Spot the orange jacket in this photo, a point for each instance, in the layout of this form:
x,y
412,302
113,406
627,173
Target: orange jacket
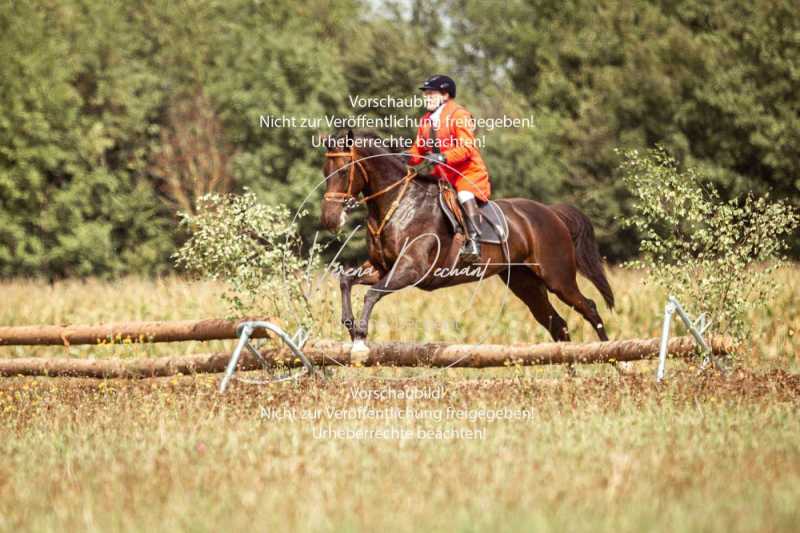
x,y
456,140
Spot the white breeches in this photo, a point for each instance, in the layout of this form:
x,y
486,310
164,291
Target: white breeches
x,y
465,196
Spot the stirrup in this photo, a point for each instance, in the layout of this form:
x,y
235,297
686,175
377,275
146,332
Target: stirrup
x,y
470,251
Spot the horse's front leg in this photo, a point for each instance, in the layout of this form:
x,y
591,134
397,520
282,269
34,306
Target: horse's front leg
x,y
365,275
389,283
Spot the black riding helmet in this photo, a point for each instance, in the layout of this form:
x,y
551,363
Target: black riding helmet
x,y
441,83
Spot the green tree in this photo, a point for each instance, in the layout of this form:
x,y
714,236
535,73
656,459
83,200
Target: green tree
x,y
75,107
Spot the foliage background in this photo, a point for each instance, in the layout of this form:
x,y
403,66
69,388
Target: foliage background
x,y
93,106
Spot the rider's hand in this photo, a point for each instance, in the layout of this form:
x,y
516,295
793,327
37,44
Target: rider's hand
x,y
425,168
429,163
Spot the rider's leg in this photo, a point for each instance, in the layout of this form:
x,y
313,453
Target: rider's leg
x,y
471,252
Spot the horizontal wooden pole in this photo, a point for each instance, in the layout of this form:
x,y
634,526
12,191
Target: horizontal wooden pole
x,y
119,332
441,354
406,354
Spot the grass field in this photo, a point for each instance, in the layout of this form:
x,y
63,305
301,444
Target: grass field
x,y
592,453
469,313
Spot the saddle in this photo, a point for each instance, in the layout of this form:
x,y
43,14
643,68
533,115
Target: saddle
x,y
492,221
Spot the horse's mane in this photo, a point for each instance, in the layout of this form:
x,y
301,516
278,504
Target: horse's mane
x,y
367,149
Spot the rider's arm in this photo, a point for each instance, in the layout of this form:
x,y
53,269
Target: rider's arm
x,y
418,148
416,151
463,147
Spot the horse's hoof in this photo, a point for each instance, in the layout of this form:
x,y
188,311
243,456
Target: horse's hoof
x,y
359,353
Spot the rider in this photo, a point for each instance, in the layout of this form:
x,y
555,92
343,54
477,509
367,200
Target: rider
x,y
446,136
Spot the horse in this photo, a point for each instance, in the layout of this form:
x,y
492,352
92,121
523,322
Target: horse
x,y
410,240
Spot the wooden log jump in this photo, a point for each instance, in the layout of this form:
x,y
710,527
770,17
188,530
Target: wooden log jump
x,y
387,354
136,332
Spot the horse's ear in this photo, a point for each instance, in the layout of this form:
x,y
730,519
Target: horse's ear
x,y
350,136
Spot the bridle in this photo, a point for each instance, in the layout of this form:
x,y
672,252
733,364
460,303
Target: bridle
x,y
351,202
348,198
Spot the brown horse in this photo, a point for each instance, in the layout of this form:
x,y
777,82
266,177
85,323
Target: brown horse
x,y
411,242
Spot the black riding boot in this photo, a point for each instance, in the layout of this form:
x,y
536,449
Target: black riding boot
x,y
471,251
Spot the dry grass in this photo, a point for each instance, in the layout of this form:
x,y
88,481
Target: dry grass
x,y
470,313
600,453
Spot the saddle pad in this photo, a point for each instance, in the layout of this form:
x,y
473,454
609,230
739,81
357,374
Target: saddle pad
x,y
492,224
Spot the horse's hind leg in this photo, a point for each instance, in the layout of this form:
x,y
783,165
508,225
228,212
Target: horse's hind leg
x,y
571,295
566,288
529,288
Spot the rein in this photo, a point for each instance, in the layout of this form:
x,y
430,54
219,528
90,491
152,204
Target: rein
x,y
350,200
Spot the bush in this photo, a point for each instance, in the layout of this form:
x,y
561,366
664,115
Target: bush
x,y
715,256
255,250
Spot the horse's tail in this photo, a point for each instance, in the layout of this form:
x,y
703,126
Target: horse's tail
x,y
586,253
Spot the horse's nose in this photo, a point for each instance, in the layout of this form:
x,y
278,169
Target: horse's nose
x,y
332,216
